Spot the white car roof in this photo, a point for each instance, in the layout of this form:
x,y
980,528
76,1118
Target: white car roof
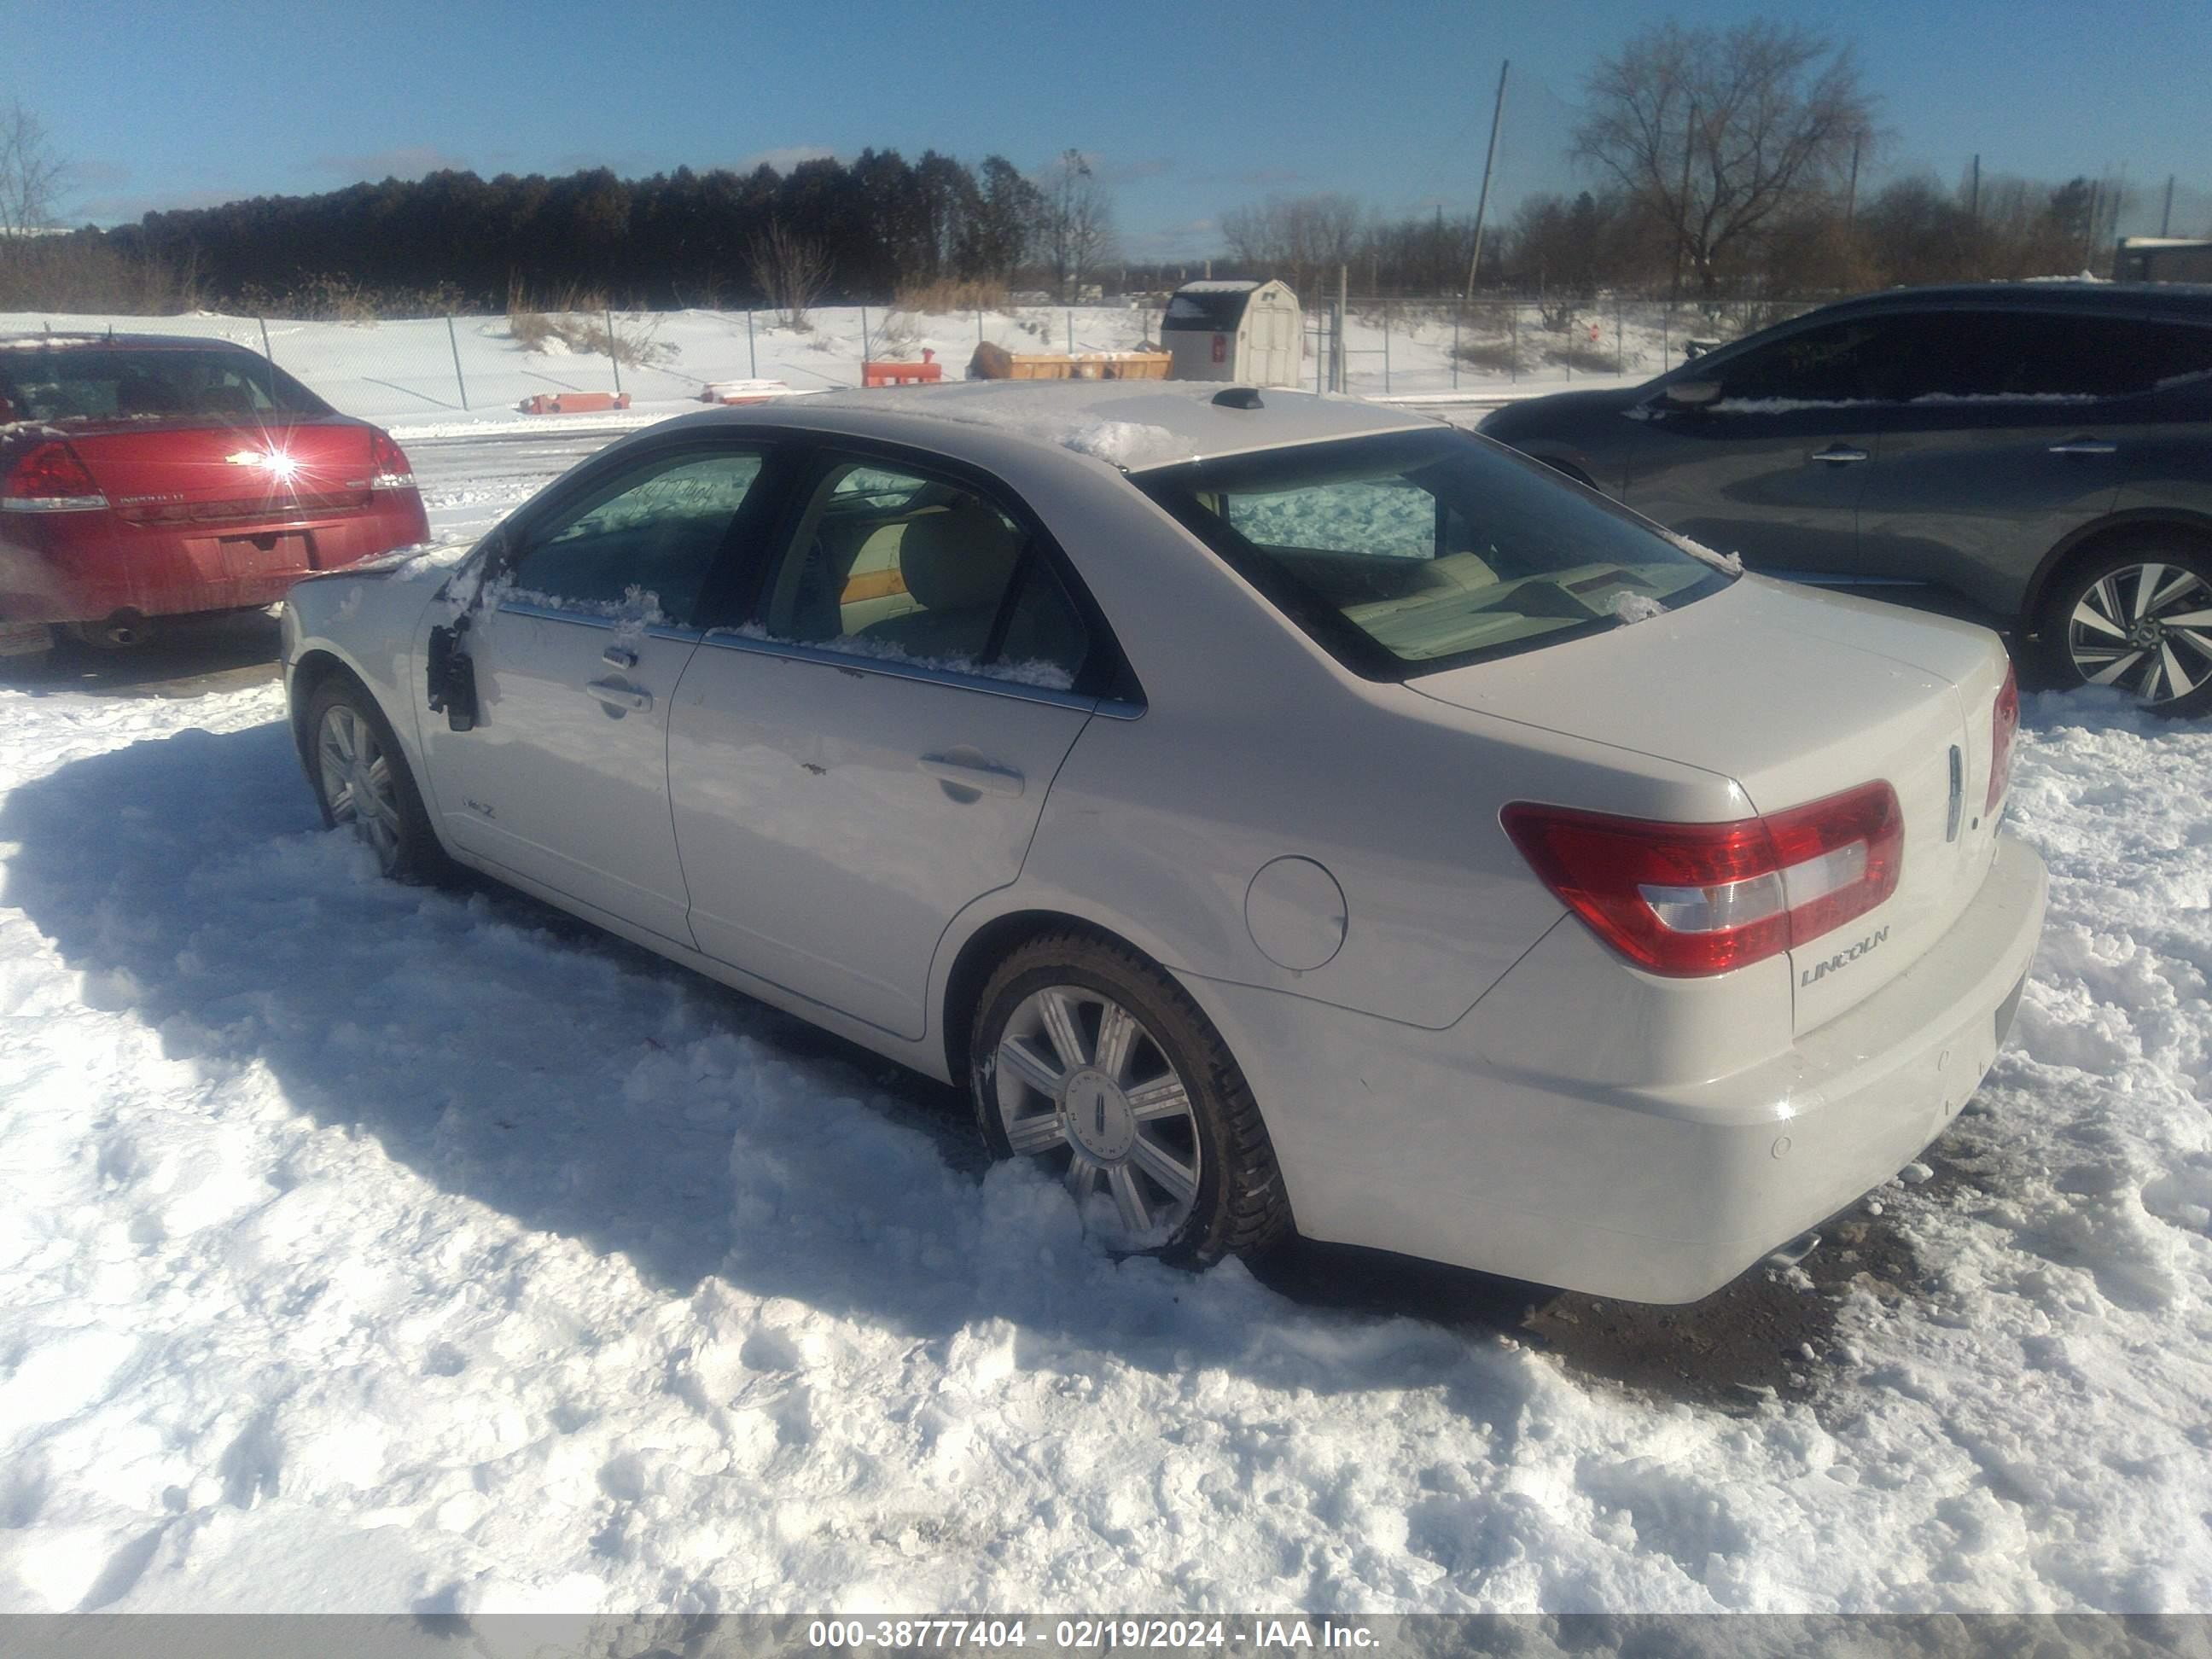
x,y
1133,424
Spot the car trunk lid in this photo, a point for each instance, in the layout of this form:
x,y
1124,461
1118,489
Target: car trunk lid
x,y
196,473
1796,695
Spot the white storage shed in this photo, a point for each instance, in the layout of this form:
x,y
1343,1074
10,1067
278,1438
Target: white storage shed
x,y
1252,333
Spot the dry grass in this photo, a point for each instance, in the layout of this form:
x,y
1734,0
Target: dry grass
x,y
946,294
1583,357
82,273
896,335
583,320
1493,356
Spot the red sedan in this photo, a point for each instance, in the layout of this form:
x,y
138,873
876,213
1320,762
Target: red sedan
x,y
146,475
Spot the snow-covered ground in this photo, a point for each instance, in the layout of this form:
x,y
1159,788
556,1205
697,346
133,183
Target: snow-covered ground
x,y
364,1247
403,373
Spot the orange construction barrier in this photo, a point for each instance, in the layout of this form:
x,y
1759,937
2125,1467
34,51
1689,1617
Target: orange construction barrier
x,y
925,372
573,403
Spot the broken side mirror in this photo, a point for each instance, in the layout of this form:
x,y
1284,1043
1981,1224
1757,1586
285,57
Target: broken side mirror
x,y
452,675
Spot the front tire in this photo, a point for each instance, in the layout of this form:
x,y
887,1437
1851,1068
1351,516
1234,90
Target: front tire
x,y
1091,1060
362,782
2138,618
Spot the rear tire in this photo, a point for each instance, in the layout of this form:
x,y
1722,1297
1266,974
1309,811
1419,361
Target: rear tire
x,y
1090,1059
362,782
2139,618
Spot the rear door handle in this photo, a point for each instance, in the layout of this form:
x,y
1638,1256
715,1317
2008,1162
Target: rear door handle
x,y
615,695
2085,447
1836,454
973,774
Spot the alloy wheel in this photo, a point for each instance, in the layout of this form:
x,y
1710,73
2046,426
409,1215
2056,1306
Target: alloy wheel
x,y
1078,1078
2145,627
357,781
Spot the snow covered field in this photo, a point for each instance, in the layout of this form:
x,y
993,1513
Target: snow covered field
x,y
403,373
371,1248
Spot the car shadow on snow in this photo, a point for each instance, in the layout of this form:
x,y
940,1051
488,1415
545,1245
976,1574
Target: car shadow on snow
x,y
510,1055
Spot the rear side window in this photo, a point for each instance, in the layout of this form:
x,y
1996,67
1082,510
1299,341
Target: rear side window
x,y
102,383
902,566
1967,356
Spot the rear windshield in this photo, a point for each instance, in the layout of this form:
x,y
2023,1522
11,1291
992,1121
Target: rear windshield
x,y
1413,553
103,383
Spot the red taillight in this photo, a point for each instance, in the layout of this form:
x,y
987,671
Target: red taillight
x,y
51,479
1685,899
387,463
2004,726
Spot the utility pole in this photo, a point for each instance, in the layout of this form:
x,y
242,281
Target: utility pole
x,y
1974,197
1689,145
2165,219
1851,192
1489,160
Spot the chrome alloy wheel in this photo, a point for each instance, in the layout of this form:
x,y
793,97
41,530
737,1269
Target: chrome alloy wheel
x,y
1077,1076
356,780
2145,627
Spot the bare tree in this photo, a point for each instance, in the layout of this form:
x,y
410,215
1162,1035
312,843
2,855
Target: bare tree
x,y
1078,221
1301,239
1720,132
30,182
793,270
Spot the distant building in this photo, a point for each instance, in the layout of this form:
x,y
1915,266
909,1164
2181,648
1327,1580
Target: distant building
x,y
2163,259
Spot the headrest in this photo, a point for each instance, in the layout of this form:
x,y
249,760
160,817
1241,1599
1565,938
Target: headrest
x,y
959,558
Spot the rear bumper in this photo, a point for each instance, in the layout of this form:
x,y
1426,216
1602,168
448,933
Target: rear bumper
x,y
85,567
1477,1147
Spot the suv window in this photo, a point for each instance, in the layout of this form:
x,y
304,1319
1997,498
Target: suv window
x,y
1960,355
641,546
1845,362
898,565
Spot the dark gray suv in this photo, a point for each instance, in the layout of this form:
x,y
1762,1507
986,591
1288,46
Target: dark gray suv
x,y
2034,455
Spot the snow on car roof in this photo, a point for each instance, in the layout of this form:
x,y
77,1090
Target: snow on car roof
x,y
1133,424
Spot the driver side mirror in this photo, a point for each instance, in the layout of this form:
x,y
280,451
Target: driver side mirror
x,y
1692,394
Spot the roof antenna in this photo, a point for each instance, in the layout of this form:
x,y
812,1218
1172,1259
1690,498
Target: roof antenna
x,y
1238,397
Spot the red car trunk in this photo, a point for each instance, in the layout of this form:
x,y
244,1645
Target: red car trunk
x,y
189,473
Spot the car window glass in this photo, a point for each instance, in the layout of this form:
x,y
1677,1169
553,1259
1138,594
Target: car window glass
x,y
899,566
94,382
1843,362
643,544
1411,552
1961,356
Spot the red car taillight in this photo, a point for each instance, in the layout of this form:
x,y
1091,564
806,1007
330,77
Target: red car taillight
x,y
1687,899
50,478
387,463
2004,726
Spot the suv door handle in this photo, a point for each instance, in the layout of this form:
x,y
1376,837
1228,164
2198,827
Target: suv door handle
x,y
615,695
1836,454
973,774
2085,447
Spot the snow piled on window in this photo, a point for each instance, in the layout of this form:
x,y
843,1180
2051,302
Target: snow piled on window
x,y
638,607
1631,607
1045,676
1378,518
1731,562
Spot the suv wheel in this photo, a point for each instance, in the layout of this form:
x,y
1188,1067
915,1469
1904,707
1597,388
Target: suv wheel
x,y
2138,618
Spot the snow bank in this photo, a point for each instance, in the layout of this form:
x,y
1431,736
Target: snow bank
x,y
366,1247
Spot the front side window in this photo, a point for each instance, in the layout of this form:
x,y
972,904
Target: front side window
x,y
643,544
1845,362
1421,551
899,566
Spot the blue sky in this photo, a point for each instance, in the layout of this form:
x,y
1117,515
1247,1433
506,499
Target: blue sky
x,y
1188,109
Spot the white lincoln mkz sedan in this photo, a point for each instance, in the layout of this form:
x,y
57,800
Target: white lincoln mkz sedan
x,y
1278,810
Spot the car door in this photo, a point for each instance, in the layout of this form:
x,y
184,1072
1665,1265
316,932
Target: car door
x,y
1773,466
870,752
2012,430
578,641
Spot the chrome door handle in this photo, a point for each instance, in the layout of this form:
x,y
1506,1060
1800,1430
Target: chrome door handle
x,y
2085,447
973,774
618,656
615,695
1836,454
